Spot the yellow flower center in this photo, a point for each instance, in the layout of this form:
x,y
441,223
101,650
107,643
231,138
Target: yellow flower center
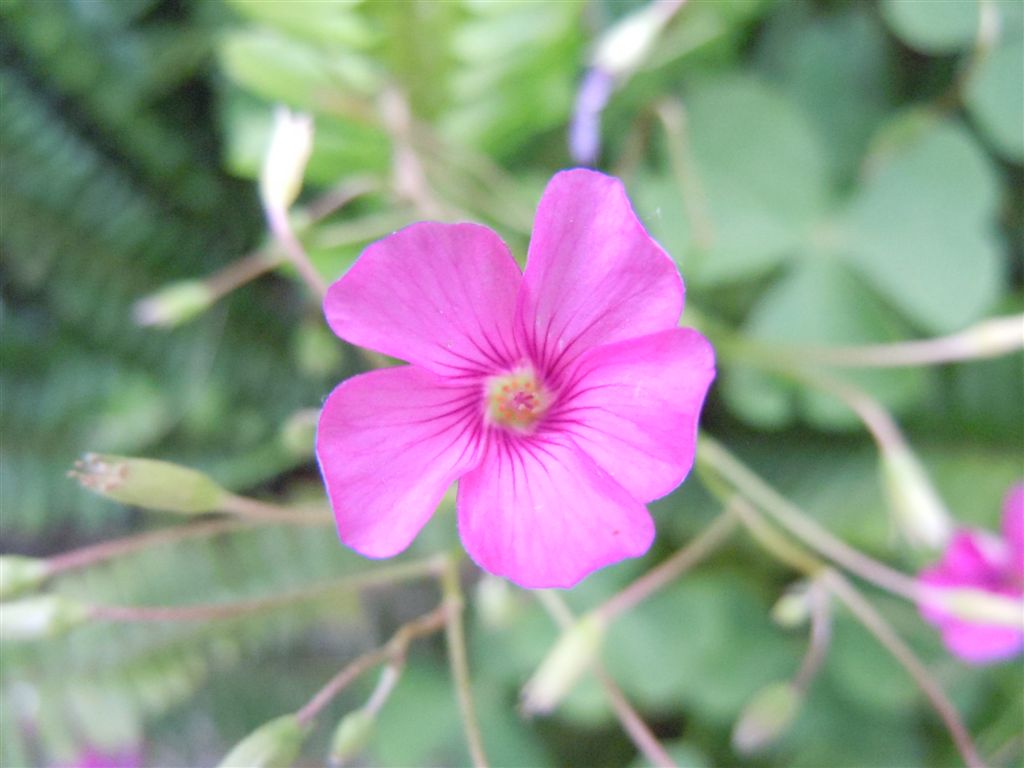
x,y
516,400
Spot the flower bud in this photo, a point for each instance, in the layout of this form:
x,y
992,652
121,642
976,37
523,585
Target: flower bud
x,y
274,744
998,336
766,717
624,46
351,736
978,606
173,304
570,657
298,433
33,618
291,143
495,602
919,512
20,574
148,483
793,609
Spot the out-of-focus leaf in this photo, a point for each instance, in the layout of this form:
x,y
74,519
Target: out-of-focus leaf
x,y
820,303
995,97
919,229
328,24
933,27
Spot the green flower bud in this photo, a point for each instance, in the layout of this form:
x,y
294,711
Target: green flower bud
x,y
793,609
33,618
20,574
920,514
351,736
274,744
148,483
570,657
766,717
174,304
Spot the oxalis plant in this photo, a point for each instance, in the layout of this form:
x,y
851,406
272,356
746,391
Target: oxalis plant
x,y
530,475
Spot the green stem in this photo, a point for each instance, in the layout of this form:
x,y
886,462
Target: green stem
x,y
714,457
686,558
458,659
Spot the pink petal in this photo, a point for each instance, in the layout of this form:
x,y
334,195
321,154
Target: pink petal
x,y
543,514
389,444
438,295
980,644
971,561
1013,530
593,276
633,407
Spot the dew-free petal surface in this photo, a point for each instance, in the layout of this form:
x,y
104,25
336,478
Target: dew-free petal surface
x,y
541,513
1013,530
442,296
633,407
389,444
593,274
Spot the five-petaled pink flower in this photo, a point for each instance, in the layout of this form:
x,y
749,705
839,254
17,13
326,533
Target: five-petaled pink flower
x,y
979,560
563,398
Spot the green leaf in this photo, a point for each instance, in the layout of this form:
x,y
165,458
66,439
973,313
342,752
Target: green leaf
x,y
920,227
995,99
762,172
936,27
820,303
837,67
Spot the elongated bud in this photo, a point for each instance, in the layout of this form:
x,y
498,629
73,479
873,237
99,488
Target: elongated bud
x,y
33,618
921,516
570,657
624,46
148,483
298,433
174,304
793,609
766,717
20,574
998,336
274,744
351,736
291,142
495,602
977,606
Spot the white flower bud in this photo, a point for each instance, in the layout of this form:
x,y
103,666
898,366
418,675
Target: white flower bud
x,y
38,617
920,515
20,574
291,143
173,304
570,657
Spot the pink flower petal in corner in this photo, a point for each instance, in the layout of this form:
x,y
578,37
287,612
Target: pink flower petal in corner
x,y
1013,529
389,443
542,514
593,274
441,296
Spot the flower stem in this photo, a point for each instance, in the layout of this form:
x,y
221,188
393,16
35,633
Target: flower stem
x,y
686,558
714,457
217,611
695,204
632,723
884,633
268,512
394,650
457,658
281,229
821,637
106,550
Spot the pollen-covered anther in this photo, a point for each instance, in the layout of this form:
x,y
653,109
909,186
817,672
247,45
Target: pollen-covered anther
x,y
516,400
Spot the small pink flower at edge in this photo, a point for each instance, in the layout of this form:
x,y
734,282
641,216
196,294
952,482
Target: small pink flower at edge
x,y
979,560
563,398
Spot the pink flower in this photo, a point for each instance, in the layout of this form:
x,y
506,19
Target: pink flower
x,y
91,757
979,560
562,398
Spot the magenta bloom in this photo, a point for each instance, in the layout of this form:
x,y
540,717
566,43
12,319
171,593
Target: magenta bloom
x,y
562,398
979,560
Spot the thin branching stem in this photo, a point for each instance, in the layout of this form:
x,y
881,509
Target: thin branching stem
x,y
392,651
675,566
632,723
217,611
268,512
459,661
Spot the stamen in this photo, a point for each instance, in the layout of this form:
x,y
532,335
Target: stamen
x,y
516,400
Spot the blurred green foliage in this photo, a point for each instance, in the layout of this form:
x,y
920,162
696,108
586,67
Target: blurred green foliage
x,y
824,172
